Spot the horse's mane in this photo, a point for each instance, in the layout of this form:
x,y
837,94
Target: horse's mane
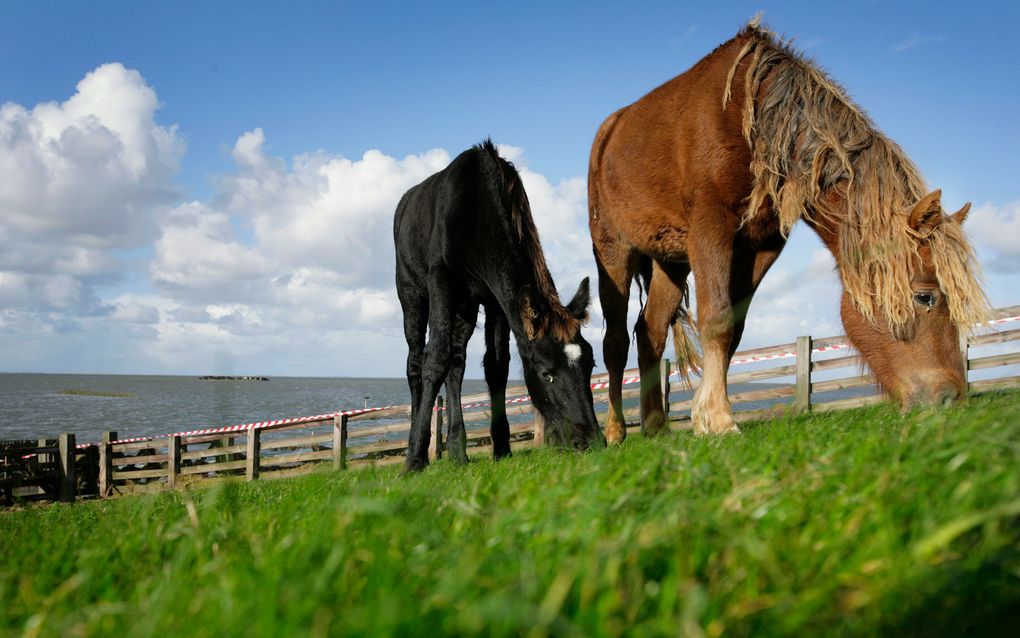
x,y
809,140
542,312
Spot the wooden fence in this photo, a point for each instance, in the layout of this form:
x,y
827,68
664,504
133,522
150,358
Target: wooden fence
x,y
794,371
47,469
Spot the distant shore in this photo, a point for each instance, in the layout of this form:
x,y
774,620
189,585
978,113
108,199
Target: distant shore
x,y
222,378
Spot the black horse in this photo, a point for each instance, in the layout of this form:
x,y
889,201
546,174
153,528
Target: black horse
x,y
465,238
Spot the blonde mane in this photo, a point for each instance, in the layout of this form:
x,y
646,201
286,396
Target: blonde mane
x,y
809,141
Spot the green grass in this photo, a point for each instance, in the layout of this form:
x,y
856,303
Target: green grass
x,y
860,523
98,393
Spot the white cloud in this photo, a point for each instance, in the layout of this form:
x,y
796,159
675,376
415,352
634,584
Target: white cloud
x,y
80,179
796,298
295,252
199,255
916,40
995,230
561,217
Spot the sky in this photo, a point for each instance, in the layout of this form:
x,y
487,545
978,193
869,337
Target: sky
x,y
209,187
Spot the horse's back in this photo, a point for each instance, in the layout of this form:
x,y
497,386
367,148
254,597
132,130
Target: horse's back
x,y
436,219
656,161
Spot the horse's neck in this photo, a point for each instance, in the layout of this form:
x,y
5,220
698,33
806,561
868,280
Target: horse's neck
x,y
826,223
507,285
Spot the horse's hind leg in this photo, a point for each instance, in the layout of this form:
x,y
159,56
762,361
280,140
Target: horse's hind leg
x,y
497,369
616,265
463,327
416,317
665,294
434,368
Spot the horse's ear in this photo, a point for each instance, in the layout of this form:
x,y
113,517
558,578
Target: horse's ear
x,y
578,306
927,214
961,215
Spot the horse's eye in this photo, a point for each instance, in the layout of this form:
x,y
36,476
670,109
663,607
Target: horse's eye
x,y
926,299
548,377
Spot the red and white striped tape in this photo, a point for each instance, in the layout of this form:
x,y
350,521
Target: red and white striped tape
x,y
245,427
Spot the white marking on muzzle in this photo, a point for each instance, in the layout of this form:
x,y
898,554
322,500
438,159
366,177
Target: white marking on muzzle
x,y
573,352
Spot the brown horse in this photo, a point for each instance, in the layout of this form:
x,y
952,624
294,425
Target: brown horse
x,y
708,173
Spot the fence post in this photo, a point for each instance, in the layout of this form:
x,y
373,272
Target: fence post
x,y
106,464
66,467
173,464
251,470
664,369
47,458
436,441
539,427
802,391
965,351
340,441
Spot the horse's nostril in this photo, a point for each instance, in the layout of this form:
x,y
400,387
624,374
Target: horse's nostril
x,y
942,397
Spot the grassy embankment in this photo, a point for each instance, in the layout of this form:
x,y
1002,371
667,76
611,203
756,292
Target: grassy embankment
x,y
865,522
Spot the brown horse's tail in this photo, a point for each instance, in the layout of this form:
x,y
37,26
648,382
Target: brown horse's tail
x,y
685,332
685,342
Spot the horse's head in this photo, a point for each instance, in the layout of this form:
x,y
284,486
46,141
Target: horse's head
x,y
558,376
919,361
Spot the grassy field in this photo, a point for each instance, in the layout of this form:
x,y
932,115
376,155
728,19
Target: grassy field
x,y
859,523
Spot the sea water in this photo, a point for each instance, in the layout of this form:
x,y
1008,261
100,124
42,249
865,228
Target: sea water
x,y
44,405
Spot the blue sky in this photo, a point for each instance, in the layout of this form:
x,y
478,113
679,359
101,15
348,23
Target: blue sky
x,y
235,221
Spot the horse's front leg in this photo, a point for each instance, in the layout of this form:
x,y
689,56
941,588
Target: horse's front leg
x,y
711,254
497,369
710,411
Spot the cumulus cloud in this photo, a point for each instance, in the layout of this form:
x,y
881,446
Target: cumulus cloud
x,y
285,249
561,217
995,230
796,298
324,210
91,167
81,179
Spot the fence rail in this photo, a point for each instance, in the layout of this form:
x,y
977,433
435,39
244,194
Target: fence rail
x,y
358,438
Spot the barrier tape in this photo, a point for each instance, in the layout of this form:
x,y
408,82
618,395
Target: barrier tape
x,y
244,427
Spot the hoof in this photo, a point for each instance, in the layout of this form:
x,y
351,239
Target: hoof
x,y
501,454
654,425
722,424
615,432
413,466
712,430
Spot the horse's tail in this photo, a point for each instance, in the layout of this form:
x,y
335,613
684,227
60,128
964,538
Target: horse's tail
x,y
685,342
685,332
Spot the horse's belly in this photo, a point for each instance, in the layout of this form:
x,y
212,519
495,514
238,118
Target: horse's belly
x,y
666,243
